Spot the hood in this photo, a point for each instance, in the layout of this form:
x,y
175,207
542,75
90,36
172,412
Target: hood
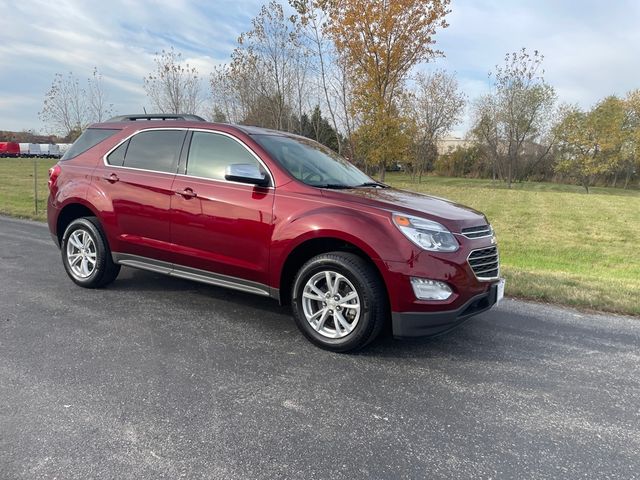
x,y
452,215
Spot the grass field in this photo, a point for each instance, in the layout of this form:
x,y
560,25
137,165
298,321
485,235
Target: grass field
x,y
557,243
17,186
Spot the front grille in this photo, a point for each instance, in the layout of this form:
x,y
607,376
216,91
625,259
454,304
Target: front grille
x,y
478,232
485,263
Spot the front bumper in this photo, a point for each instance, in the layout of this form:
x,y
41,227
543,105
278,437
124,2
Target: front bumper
x,y
424,324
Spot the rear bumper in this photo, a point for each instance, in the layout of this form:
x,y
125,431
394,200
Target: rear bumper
x,y
425,324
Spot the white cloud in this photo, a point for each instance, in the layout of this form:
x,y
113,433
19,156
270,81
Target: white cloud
x,y
120,37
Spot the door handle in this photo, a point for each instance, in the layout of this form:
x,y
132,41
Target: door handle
x,y
187,193
112,178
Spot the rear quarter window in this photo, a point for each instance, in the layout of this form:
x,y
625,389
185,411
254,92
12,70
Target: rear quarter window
x,y
89,139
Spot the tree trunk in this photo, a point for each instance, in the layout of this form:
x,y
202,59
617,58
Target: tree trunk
x,y
382,171
627,178
493,170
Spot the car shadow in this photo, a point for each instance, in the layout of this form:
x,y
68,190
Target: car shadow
x,y
496,335
145,281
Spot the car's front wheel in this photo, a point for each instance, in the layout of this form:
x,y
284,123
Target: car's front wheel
x,y
339,301
85,254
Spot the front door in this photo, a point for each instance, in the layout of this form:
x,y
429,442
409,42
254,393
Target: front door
x,y
216,225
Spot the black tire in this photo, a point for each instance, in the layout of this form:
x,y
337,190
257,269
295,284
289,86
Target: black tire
x,y
105,270
372,299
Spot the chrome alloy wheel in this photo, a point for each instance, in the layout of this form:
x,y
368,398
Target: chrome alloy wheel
x,y
81,254
331,304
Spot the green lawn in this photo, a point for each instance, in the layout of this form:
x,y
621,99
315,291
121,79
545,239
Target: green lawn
x,y
557,243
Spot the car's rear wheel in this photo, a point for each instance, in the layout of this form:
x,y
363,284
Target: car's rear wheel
x,y
85,254
339,302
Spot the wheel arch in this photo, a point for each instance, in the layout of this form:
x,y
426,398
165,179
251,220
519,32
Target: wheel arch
x,y
310,248
70,212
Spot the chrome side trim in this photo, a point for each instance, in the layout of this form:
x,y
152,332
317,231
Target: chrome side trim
x,y
246,147
187,129
131,262
140,130
194,274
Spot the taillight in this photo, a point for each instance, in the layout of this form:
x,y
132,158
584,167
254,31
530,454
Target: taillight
x,y
53,175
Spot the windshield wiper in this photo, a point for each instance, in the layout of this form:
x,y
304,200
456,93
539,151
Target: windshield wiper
x,y
334,186
372,184
341,186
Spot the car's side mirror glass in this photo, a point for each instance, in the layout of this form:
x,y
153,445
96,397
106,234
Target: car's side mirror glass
x,y
247,173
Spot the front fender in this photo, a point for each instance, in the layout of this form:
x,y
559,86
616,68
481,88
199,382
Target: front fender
x,y
369,232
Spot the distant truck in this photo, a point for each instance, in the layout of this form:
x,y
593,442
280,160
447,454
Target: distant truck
x,y
29,150
63,148
32,150
9,149
49,150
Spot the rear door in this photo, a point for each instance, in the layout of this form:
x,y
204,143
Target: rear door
x,y
217,225
137,177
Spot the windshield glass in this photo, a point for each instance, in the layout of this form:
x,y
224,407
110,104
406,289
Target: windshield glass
x,y
311,162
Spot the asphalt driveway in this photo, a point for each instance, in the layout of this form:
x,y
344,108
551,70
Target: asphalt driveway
x,y
156,377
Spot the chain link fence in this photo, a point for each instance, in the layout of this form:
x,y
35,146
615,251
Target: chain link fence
x,y
23,186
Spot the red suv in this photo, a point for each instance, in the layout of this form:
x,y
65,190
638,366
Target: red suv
x,y
273,214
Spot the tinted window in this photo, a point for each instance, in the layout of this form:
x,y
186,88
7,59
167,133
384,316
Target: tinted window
x,y
117,156
210,154
155,150
90,138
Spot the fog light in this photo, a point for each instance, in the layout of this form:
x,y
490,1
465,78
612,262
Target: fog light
x,y
425,289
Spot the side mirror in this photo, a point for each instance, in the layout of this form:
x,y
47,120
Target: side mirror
x,y
247,173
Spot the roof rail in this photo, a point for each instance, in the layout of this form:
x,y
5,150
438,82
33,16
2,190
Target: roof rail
x,y
157,116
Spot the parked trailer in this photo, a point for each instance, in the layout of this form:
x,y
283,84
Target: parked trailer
x,y
64,147
54,151
28,150
44,149
9,149
24,150
49,150
34,150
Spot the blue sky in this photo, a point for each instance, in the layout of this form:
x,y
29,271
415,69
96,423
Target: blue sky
x,y
591,48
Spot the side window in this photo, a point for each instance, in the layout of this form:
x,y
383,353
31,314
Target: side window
x,y
210,153
117,156
153,150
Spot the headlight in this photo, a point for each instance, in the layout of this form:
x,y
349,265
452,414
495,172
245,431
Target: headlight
x,y
426,234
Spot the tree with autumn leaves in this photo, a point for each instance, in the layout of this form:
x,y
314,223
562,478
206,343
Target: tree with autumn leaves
x,y
380,43
347,73
602,141
332,56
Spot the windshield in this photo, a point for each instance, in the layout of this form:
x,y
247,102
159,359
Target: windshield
x,y
312,163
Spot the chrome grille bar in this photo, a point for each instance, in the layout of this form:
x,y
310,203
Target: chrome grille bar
x,y
485,263
477,232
